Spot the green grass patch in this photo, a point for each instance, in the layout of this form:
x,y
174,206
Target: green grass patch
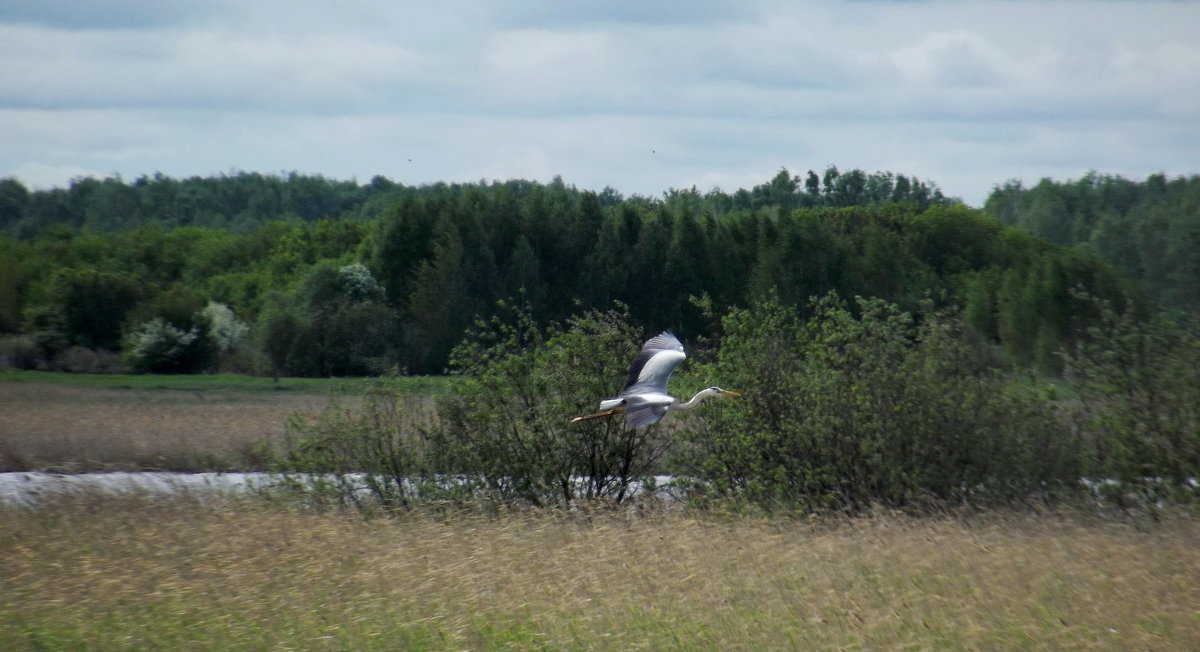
x,y
423,385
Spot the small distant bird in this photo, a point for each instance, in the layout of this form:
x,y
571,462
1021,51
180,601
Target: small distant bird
x,y
645,400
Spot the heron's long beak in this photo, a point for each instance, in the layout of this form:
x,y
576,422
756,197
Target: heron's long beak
x,y
729,393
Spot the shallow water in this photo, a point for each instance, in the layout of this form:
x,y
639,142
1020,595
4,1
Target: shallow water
x,y
30,488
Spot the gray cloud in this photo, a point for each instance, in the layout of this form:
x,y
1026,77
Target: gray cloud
x,y
624,12
98,14
966,94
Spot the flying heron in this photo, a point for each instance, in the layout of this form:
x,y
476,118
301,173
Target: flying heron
x,y
645,400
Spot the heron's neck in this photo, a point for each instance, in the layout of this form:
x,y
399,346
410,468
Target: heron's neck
x,y
695,400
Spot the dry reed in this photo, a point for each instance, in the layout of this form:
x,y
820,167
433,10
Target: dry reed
x,y
137,573
67,428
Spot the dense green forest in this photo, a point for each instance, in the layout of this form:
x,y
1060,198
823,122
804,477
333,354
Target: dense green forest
x,y
1150,230
305,275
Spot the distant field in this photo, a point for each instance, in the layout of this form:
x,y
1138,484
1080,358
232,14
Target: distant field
x,y
222,382
142,574
81,422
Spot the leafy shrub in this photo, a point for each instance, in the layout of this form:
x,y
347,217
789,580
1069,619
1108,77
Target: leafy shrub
x,y
503,435
180,332
157,346
276,333
338,324
358,284
374,455
1139,384
225,329
18,352
507,422
865,404
79,359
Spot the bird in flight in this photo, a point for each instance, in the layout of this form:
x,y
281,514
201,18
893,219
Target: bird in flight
x,y
645,400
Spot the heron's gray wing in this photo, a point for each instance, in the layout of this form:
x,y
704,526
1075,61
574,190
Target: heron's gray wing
x,y
654,363
646,409
646,415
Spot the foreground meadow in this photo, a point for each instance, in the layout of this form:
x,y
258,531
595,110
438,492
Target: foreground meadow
x,y
138,572
178,574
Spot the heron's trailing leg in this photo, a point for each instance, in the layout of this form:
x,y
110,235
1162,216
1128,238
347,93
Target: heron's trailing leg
x,y
606,413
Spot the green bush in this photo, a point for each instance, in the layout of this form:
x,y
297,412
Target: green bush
x,y
1139,385
159,347
865,405
173,334
507,423
373,455
18,352
860,405
340,324
502,436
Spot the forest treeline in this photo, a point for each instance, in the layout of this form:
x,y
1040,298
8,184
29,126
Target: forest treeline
x,y
1150,229
304,275
244,200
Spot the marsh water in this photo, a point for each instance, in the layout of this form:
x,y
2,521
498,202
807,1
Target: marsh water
x,y
30,488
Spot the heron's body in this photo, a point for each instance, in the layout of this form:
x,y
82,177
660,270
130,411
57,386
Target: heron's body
x,y
645,400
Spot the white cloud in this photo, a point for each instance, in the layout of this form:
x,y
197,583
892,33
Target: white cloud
x,y
97,13
966,94
536,68
42,177
959,59
536,52
46,67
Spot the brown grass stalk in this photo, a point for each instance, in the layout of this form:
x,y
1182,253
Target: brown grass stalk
x,y
135,574
73,429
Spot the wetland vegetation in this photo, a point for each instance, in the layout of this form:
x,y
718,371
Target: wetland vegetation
x,y
926,387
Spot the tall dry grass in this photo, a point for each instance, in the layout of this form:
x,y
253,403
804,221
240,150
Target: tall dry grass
x,y
68,428
139,574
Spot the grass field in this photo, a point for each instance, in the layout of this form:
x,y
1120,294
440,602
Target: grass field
x,y
115,573
81,422
140,574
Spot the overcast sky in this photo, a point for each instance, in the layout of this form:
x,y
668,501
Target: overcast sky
x,y
642,96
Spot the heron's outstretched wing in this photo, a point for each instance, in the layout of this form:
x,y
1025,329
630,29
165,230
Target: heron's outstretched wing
x,y
653,365
646,409
645,416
